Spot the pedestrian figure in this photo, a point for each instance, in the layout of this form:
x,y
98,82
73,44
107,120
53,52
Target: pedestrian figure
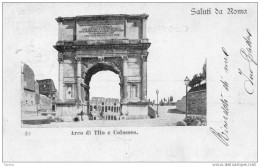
x,y
81,114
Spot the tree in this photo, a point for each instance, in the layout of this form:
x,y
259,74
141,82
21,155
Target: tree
x,y
171,98
196,80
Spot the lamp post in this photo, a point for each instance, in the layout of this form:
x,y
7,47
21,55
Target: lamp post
x,y
186,81
157,92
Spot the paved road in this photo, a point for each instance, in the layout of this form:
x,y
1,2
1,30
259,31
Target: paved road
x,y
165,119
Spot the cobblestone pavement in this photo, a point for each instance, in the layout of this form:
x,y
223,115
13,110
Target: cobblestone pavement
x,y
165,119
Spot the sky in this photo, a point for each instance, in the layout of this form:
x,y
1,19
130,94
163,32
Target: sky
x,y
177,43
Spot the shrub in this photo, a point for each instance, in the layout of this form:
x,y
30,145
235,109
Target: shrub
x,y
196,120
50,117
195,123
181,123
59,120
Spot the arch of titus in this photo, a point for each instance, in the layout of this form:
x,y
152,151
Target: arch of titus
x,y
93,43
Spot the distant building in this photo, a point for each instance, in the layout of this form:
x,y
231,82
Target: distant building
x,y
29,88
31,101
47,88
105,108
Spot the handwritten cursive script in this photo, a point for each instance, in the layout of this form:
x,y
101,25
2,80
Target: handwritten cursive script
x,y
222,135
247,56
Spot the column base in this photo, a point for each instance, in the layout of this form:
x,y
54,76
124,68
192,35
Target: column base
x,y
135,110
68,108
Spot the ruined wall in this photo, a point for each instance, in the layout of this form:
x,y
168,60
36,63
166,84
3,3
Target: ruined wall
x,y
45,103
197,102
28,78
181,104
28,88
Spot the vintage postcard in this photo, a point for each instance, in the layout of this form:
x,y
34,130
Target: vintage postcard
x,y
130,82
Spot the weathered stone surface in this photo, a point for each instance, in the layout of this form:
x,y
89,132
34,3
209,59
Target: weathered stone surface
x,y
66,30
28,78
32,102
89,44
197,102
102,27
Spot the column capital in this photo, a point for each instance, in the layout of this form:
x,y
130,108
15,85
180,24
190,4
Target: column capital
x,y
144,56
85,86
78,58
125,57
60,57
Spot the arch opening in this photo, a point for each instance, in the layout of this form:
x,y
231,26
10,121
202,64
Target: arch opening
x,y
103,82
97,67
100,67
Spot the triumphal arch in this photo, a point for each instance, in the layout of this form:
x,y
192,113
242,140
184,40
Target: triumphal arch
x,y
92,43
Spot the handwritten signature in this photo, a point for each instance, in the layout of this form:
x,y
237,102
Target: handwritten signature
x,y
247,55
